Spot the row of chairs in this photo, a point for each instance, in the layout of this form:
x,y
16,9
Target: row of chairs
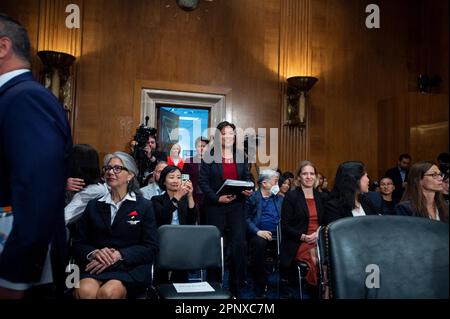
x,y
388,257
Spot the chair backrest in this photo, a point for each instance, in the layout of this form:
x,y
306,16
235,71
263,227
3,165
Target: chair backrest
x,y
189,247
388,257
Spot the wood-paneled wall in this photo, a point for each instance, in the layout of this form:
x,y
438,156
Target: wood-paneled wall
x,y
413,123
251,47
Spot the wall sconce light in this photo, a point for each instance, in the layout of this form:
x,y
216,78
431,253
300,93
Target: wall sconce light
x,y
298,87
187,5
56,75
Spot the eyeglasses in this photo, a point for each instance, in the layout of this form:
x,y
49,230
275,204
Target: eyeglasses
x,y
435,175
116,169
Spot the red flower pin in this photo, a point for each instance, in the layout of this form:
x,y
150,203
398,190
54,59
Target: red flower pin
x,y
133,213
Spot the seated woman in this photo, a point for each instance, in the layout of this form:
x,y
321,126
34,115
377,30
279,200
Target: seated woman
x,y
285,185
176,206
174,158
116,238
301,216
84,167
422,197
348,197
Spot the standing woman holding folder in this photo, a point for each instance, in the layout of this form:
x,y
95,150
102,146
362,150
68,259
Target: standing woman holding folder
x,y
223,161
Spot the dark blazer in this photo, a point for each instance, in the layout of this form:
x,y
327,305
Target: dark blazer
x,y
405,209
164,207
192,168
335,211
35,143
295,221
211,179
137,242
253,210
394,174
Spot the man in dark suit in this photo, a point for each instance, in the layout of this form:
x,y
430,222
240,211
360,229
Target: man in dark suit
x,y
192,168
35,144
399,175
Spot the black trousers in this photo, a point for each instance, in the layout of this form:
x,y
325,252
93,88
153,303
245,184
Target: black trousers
x,y
258,247
230,219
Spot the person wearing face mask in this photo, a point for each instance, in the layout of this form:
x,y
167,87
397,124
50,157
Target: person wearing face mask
x,y
263,210
301,216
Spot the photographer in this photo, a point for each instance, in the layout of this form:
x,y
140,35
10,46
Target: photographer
x,y
144,150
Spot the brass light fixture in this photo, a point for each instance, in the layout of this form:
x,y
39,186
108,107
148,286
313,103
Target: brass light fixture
x,y
298,87
56,75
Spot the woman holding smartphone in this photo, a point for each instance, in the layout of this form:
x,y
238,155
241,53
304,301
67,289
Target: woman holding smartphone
x,y
176,206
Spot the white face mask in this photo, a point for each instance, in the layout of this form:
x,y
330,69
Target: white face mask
x,y
275,189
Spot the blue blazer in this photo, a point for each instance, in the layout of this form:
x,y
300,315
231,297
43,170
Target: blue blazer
x,y
253,210
35,143
135,238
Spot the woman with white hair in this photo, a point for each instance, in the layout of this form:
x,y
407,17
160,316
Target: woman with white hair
x,y
116,238
263,210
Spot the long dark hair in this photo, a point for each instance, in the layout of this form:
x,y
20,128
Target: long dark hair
x,y
346,184
84,163
414,193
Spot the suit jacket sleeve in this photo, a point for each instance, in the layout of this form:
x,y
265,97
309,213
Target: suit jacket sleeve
x,y
403,209
204,183
80,246
190,214
145,252
250,212
36,139
164,209
287,215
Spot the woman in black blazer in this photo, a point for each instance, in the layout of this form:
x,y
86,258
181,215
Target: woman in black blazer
x,y
116,238
176,205
223,162
301,215
348,197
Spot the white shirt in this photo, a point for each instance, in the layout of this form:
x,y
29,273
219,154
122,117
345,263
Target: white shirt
x,y
116,206
358,211
9,75
77,205
151,190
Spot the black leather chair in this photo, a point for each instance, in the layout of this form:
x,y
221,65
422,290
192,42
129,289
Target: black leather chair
x,y
411,254
188,248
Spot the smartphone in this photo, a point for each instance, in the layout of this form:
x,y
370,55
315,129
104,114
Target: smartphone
x,y
184,177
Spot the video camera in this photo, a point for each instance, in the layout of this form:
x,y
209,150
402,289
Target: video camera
x,y
143,132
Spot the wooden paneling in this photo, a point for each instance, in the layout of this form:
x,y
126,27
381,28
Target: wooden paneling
x,y
250,47
295,59
225,44
413,123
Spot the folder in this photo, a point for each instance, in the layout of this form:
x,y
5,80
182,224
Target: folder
x,y
234,187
